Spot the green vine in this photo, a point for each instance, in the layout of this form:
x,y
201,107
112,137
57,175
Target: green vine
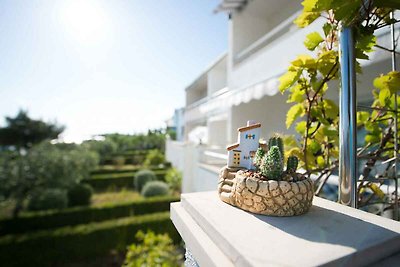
x,y
307,80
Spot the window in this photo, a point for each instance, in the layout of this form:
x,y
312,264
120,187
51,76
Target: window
x,y
250,136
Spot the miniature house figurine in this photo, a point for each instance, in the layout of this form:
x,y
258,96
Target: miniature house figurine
x,y
240,155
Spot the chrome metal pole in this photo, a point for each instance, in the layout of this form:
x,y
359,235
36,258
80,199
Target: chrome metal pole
x,y
396,145
347,117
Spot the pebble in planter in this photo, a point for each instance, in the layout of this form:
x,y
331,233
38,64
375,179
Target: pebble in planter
x,y
269,189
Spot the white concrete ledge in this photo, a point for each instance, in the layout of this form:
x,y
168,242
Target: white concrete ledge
x,y
328,235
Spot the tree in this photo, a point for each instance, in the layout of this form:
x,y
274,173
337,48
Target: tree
x,y
22,132
45,166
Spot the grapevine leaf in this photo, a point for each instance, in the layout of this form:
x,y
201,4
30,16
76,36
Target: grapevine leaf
x,y
296,94
289,141
314,146
326,62
301,127
362,117
316,5
293,113
288,79
384,96
304,61
346,10
313,40
360,54
390,81
369,138
320,161
366,42
327,28
306,18
331,109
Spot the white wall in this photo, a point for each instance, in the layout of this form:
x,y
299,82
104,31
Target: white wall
x,y
270,111
197,90
217,132
206,180
258,18
216,77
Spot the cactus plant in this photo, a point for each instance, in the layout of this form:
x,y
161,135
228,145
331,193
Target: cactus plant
x,y
276,141
258,157
272,164
291,164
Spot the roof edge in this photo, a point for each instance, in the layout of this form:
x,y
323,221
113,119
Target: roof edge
x,y
257,125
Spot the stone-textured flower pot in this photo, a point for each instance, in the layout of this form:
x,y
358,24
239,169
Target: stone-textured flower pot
x,y
268,197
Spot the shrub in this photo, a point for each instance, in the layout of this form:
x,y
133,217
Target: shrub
x,y
152,250
80,195
117,180
155,188
87,241
45,166
48,199
30,221
142,177
173,178
154,158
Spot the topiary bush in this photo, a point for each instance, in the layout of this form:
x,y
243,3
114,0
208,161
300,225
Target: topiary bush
x,y
154,158
48,199
79,195
142,177
155,188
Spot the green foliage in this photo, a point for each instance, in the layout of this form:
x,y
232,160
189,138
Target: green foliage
x,y
118,180
155,188
306,83
272,164
173,178
152,250
103,148
313,40
292,163
45,166
82,242
143,177
154,158
48,199
293,113
259,156
154,139
79,195
379,123
33,221
22,132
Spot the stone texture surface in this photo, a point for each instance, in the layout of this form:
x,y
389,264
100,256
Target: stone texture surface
x,y
276,198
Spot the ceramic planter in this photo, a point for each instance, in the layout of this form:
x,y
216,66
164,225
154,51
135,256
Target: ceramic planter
x,y
246,191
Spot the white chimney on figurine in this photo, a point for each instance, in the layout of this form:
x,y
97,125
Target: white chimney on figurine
x,y
250,122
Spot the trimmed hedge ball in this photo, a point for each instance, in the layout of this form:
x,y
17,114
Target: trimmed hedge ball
x,y
80,195
142,177
48,199
155,188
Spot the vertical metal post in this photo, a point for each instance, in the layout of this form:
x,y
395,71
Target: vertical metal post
x,y
347,116
396,202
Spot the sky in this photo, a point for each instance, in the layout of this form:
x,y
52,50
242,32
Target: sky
x,y
104,66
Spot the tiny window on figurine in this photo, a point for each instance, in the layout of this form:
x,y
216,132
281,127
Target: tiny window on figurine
x,y
256,179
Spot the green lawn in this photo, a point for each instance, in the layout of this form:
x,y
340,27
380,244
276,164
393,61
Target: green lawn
x,y
101,199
